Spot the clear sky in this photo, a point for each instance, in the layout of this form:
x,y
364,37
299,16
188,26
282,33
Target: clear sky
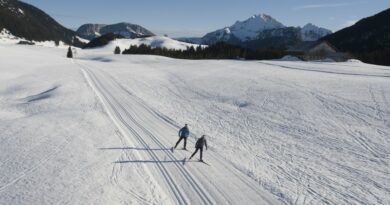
x,y
179,18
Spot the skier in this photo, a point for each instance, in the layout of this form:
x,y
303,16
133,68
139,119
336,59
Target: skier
x,y
199,146
183,134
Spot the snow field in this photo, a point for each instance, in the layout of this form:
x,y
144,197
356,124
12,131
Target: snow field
x,y
97,129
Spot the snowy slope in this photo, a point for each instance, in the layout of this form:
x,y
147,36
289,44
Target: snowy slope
x,y
6,37
154,41
98,131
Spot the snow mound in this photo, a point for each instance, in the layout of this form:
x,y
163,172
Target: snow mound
x,y
290,58
7,37
354,61
325,60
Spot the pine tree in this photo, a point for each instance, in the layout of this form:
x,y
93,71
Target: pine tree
x,y
69,54
117,50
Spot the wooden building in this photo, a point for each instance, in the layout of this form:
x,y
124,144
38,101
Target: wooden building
x,y
311,51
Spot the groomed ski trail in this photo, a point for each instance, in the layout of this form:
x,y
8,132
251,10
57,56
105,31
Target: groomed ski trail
x,y
152,135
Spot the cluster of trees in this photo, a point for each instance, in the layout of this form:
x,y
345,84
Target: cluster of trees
x,y
380,56
117,50
102,40
217,51
69,54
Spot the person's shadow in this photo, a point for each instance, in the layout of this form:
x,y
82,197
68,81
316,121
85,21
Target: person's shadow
x,y
144,161
135,148
151,161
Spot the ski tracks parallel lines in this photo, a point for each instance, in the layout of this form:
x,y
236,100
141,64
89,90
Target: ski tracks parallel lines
x,y
116,114
201,192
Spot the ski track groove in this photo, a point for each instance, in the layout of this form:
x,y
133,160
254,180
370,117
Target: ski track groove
x,y
116,171
378,109
238,172
327,72
232,165
184,172
178,195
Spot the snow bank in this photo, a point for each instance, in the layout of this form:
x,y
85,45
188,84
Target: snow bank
x,y
325,60
6,37
354,61
290,58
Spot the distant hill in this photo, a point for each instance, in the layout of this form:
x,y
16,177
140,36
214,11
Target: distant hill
x,y
26,21
103,40
127,30
368,39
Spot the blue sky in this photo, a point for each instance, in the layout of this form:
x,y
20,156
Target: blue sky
x,y
196,17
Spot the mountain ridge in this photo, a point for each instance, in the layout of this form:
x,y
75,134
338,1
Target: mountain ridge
x,y
128,30
368,39
261,26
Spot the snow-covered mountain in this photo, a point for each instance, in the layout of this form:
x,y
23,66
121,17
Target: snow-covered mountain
x,y
244,30
250,28
260,27
312,32
28,22
128,30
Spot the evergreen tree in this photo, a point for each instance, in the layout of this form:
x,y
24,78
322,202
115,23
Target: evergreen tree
x,y
117,50
69,54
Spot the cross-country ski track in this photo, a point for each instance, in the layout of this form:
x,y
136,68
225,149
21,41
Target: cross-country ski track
x,y
146,132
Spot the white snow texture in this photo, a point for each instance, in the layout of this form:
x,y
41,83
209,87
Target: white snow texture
x,y
98,129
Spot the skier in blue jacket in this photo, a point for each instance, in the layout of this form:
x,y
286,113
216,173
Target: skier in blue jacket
x,y
183,134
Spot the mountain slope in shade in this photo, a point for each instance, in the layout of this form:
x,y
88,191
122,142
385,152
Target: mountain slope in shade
x,y
368,40
128,30
280,37
28,22
368,34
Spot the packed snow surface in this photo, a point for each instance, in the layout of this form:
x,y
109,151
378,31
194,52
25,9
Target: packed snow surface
x,y
98,129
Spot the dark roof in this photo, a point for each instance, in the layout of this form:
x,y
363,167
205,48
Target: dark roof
x,y
308,45
303,46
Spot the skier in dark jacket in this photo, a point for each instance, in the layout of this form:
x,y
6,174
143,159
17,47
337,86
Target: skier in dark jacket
x,y
183,134
199,146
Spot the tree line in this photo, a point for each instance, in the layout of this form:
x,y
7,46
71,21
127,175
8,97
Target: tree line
x,y
219,50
